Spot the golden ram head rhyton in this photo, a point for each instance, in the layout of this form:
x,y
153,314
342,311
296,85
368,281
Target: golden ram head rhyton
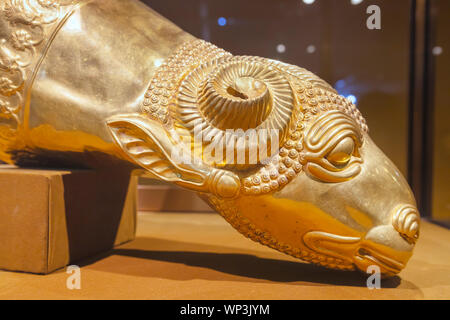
x,y
270,146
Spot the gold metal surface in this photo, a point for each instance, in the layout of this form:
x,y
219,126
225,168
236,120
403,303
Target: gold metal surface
x,y
272,147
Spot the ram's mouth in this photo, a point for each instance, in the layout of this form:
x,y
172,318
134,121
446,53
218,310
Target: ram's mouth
x,y
363,253
371,253
387,265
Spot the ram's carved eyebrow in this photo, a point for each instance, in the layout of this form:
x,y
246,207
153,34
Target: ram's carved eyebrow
x,y
329,129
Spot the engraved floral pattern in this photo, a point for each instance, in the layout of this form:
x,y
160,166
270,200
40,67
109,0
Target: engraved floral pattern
x,y
36,12
22,40
4,107
27,24
6,85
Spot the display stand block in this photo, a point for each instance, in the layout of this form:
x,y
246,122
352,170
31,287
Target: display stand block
x,y
52,218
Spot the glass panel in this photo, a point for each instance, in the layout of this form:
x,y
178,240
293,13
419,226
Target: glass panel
x,y
327,37
441,131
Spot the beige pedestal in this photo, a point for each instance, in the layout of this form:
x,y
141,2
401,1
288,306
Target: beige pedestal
x,y
50,218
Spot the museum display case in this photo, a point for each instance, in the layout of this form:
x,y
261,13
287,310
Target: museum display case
x,y
439,61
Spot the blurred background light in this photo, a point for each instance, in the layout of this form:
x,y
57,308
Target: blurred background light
x,y
222,21
340,84
281,48
311,48
437,51
355,2
308,1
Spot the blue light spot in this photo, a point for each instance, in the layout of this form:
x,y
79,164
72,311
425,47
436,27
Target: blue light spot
x,y
340,84
352,98
222,21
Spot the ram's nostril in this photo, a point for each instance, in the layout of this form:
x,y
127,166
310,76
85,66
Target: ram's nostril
x,y
406,221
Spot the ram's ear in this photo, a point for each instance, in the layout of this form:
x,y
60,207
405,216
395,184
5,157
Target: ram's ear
x,y
151,146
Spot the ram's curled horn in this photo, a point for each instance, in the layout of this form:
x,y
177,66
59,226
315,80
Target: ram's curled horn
x,y
240,103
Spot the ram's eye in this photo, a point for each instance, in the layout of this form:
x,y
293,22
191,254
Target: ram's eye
x,y
342,153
